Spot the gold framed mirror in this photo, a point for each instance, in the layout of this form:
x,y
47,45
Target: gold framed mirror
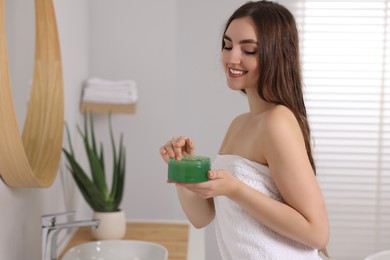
x,y
32,159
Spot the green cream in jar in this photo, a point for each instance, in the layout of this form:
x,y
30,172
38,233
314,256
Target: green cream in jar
x,y
189,169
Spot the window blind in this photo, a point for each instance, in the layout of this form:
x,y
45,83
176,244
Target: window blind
x,y
345,49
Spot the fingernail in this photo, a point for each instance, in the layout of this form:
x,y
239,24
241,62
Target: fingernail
x,y
211,174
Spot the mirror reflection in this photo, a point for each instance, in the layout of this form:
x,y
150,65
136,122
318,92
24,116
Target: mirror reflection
x,y
20,26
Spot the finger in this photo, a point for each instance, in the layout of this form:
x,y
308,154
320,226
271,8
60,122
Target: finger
x,y
215,175
190,146
169,149
178,144
164,154
211,175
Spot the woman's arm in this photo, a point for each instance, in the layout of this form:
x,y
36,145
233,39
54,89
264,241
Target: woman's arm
x,y
199,211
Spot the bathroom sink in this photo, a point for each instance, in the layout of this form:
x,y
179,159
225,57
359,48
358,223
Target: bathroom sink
x,y
117,250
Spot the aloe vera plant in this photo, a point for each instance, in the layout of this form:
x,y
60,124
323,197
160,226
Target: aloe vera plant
x,y
95,188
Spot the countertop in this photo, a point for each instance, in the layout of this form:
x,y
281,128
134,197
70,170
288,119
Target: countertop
x,y
174,236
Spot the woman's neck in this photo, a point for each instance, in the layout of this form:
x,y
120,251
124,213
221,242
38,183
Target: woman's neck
x,y
256,104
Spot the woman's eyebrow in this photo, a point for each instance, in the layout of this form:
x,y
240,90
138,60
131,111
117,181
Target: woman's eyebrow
x,y
245,41
227,38
248,41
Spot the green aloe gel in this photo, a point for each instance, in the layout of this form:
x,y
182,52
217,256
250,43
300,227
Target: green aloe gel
x,y
189,169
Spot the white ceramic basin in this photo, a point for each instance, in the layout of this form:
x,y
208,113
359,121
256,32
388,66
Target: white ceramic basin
x,y
383,255
117,250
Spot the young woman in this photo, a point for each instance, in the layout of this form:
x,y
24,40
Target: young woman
x,y
262,190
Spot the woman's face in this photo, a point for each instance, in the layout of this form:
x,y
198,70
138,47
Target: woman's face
x,y
240,57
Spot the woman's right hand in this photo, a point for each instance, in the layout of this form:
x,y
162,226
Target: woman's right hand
x,y
176,148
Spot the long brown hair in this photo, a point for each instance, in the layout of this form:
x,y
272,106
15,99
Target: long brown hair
x,y
280,80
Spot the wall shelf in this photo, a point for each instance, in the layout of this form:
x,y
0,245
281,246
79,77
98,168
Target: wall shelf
x,y
103,108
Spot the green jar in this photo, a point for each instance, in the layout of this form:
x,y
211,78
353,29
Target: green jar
x,y
189,169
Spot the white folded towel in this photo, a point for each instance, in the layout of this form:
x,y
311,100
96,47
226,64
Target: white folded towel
x,y
98,90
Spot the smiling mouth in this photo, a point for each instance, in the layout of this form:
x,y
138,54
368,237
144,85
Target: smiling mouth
x,y
237,72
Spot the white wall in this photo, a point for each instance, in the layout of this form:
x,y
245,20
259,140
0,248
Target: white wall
x,y
136,40
171,49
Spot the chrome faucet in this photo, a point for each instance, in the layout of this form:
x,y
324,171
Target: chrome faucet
x,y
50,230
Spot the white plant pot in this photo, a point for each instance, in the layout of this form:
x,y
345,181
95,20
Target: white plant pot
x,y
112,225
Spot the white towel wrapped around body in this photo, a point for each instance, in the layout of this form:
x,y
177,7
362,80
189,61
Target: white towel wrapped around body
x,y
113,92
239,235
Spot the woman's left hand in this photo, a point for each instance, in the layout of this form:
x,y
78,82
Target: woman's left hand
x,y
221,182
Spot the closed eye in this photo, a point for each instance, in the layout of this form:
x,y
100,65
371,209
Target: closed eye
x,y
227,43
250,52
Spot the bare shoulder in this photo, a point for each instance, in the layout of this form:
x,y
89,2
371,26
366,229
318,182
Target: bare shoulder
x,y
279,116
238,119
280,123
234,125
